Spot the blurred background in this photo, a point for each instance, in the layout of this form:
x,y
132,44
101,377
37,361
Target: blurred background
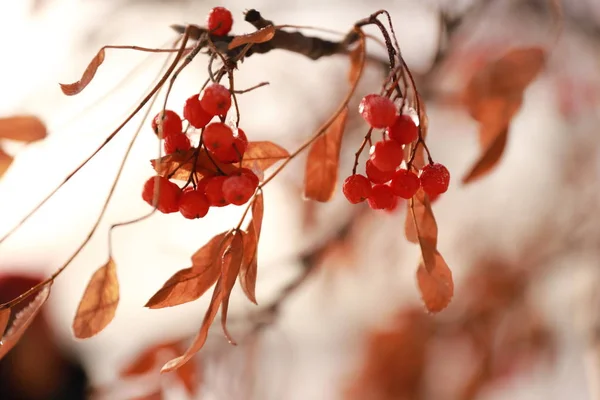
x,y
523,243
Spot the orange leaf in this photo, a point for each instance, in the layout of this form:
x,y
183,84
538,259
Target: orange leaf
x,y
22,321
4,317
99,302
146,361
249,268
262,35
490,157
191,283
357,60
231,261
179,165
419,160
188,375
5,161
72,89
435,282
323,161
421,212
24,128
262,155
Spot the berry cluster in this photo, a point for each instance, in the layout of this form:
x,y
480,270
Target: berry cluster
x,y
386,179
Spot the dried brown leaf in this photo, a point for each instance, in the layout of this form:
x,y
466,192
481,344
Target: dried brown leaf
x,y
4,317
71,89
231,261
489,159
423,214
179,165
260,36
188,375
99,302
24,128
249,268
323,160
357,59
22,321
147,360
435,281
262,155
5,161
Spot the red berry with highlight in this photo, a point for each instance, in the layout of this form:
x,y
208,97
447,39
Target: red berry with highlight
x,y
168,194
435,179
219,21
179,142
193,204
216,99
195,114
217,137
376,175
213,189
387,155
405,183
356,188
248,173
238,189
171,123
378,111
381,197
404,130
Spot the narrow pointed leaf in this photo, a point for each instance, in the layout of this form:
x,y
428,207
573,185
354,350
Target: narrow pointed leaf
x,y
435,283
189,376
146,361
420,210
72,89
99,302
4,317
249,269
262,155
323,160
262,35
5,162
357,60
488,159
231,261
24,128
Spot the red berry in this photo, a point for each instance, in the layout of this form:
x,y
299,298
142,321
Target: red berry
x,y
193,204
381,197
235,153
168,194
376,175
171,124
216,99
378,111
195,114
404,130
405,183
356,188
213,189
179,142
238,189
219,21
248,173
435,179
387,155
393,206
217,137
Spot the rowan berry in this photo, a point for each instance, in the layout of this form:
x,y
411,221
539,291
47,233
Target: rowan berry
x,y
376,175
378,111
193,204
238,189
393,206
213,189
216,99
235,153
356,188
405,183
387,155
195,114
381,197
435,179
404,130
179,142
168,194
171,123
249,174
219,21
217,136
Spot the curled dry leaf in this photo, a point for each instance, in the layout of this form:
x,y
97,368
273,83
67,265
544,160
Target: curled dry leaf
x,y
99,302
24,128
260,36
74,88
231,261
191,283
5,161
323,160
4,317
421,212
262,155
489,158
435,281
249,268
22,321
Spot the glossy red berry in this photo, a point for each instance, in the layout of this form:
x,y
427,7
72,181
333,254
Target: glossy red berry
x,y
405,183
216,99
213,189
387,155
238,189
235,153
404,130
435,179
179,142
195,114
356,188
376,175
168,194
248,173
171,123
393,206
193,204
381,197
217,137
219,21
378,111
